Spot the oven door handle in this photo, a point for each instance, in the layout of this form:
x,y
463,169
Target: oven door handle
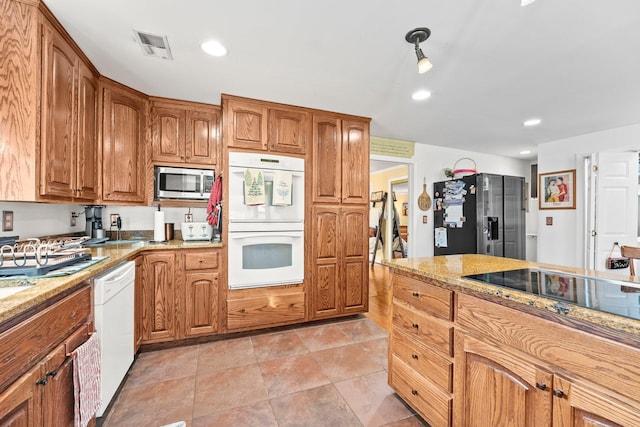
x,y
263,237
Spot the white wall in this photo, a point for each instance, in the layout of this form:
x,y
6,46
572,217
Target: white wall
x,y
428,162
43,219
563,242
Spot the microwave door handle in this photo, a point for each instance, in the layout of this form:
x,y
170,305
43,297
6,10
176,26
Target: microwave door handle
x,y
201,184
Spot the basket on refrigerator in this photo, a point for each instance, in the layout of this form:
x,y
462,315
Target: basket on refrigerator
x,y
460,171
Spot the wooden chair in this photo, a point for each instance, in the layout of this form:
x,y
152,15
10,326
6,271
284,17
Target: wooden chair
x,y
633,253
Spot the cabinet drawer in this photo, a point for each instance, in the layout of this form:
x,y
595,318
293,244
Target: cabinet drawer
x,y
201,260
425,362
262,311
431,403
428,298
431,332
28,342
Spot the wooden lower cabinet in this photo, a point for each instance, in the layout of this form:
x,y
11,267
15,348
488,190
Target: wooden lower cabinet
x,y
579,404
43,395
158,296
201,288
20,404
494,385
340,267
509,368
180,294
421,348
258,308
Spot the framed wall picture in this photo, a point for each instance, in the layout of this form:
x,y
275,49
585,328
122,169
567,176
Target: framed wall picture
x,y
557,190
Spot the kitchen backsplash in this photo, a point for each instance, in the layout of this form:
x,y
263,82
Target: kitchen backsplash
x,y
44,219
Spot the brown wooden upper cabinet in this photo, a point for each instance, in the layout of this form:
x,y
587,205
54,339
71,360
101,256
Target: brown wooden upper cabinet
x,y
184,132
258,125
69,122
340,160
124,134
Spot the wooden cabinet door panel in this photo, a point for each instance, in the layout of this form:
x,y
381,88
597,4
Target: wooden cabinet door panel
x,y
325,278
20,404
201,298
124,123
288,130
58,400
202,139
578,405
326,296
247,125
87,136
499,388
355,162
158,288
57,145
327,159
138,303
168,129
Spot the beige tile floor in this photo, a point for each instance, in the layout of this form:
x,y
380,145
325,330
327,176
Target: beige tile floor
x,y
315,375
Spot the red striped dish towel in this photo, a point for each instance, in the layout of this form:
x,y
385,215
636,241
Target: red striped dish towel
x,y
86,380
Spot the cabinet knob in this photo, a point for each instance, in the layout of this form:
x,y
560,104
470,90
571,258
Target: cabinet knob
x,y
42,381
415,325
416,294
558,393
242,310
51,374
414,392
541,386
414,356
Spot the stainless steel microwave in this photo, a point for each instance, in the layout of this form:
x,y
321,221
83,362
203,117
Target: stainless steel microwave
x,y
183,183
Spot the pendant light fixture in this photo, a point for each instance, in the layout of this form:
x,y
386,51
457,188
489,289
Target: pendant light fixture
x,y
416,37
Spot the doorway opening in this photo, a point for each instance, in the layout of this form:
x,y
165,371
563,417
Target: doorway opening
x,y
392,179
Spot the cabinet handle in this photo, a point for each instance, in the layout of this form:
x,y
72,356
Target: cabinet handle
x,y
416,294
414,392
558,393
414,356
541,386
415,325
42,381
51,374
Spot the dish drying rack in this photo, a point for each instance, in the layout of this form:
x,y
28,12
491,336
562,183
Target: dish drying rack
x,y
35,257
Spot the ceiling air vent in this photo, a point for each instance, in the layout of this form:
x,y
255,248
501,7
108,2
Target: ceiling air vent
x,y
153,45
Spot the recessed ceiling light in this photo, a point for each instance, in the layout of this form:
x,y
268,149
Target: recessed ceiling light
x,y
525,152
421,95
214,48
523,3
532,122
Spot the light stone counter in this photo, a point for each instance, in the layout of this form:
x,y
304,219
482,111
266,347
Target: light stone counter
x,y
447,271
47,288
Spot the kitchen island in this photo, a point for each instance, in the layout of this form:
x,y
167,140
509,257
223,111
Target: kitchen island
x,y
465,352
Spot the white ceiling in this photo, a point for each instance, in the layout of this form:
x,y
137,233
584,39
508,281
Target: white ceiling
x,y
573,63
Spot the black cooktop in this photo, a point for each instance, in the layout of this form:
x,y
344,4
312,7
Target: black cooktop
x,y
611,296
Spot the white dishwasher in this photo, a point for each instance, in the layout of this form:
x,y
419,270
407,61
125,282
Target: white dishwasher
x,y
113,309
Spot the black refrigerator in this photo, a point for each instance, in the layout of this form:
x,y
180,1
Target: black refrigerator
x,y
480,214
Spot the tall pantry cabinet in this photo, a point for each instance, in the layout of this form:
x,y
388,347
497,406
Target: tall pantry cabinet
x,y
340,215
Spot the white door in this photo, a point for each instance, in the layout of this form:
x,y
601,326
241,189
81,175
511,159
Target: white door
x,y
615,205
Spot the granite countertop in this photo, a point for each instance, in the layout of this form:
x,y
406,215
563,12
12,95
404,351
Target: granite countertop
x,y
448,271
39,290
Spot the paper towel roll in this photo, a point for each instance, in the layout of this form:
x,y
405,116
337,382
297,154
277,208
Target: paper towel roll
x,y
158,226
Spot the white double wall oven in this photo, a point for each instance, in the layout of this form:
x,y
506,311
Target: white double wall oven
x,y
266,220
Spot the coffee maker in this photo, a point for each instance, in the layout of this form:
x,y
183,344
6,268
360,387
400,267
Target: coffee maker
x,y
93,216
